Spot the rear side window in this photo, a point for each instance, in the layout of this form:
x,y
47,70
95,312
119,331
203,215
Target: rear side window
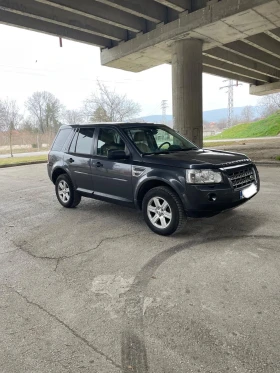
x,y
82,141
61,139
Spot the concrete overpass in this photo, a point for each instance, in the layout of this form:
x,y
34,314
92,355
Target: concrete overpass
x,y
236,39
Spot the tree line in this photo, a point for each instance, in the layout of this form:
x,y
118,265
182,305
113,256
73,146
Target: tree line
x,y
46,113
266,106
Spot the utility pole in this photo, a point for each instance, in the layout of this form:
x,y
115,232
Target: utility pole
x,y
164,106
230,85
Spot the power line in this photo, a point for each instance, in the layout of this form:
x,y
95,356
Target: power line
x,y
45,72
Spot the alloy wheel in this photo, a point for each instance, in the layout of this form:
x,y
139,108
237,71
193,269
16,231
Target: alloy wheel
x,y
63,191
159,212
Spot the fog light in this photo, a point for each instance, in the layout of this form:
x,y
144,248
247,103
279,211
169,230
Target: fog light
x,y
212,197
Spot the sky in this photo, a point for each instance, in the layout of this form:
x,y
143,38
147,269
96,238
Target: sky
x,y
31,61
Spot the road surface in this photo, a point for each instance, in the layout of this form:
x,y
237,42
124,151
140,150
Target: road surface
x,y
93,290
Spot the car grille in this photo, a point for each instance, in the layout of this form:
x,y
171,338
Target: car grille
x,y
241,178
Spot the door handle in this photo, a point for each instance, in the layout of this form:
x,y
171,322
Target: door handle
x,y
71,160
98,164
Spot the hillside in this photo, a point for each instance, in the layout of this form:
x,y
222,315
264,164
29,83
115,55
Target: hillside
x,y
269,126
208,115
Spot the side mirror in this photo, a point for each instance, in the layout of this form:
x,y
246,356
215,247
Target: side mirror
x,y
114,154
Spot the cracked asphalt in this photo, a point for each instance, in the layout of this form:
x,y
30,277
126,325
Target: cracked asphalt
x,y
93,290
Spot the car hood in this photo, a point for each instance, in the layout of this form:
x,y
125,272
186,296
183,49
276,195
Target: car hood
x,y
200,158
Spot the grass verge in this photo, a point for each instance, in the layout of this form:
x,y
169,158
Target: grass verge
x,y
18,161
24,150
269,126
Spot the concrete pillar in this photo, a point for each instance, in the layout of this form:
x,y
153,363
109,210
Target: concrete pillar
x,y
187,89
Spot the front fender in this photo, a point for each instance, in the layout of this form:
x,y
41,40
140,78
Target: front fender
x,y
174,178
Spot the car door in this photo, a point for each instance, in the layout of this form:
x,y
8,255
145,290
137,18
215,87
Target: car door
x,y
79,157
111,178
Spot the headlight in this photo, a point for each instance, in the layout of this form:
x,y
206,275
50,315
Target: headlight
x,y
203,177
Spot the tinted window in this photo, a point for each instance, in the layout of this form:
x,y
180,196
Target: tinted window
x,y
61,138
109,139
84,141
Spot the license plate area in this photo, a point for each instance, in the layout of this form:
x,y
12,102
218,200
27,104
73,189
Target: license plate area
x,y
249,191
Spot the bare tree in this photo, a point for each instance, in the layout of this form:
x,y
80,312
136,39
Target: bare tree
x,y
110,105
73,117
10,119
45,109
222,124
100,115
269,104
247,115
2,115
28,125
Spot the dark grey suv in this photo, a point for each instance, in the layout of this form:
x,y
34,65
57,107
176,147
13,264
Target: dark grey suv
x,y
150,167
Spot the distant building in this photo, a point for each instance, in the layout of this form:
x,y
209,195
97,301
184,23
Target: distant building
x,y
209,133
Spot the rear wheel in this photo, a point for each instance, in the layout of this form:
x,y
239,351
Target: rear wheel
x,y
65,192
163,211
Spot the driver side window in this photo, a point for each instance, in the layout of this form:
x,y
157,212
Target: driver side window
x,y
109,139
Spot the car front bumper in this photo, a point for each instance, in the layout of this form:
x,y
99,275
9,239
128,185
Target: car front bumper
x,y
206,201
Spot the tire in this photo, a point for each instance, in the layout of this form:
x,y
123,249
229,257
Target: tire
x,y
65,192
163,204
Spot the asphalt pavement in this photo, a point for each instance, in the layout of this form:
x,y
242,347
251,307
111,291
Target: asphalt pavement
x,y
91,289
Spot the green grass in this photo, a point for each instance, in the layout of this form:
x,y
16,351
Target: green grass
x,y
17,161
269,126
278,158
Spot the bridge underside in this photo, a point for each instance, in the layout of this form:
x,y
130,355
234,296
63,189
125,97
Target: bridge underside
x,y
239,42
241,38
235,39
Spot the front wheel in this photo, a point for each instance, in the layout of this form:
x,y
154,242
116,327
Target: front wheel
x,y
163,211
65,192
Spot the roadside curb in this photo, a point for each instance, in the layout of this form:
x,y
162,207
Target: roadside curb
x,y
268,164
21,164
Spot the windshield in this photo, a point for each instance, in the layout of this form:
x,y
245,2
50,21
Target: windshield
x,y
158,140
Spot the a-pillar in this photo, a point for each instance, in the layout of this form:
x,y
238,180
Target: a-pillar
x,y
187,89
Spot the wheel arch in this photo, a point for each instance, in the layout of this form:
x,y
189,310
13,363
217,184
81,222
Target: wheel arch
x,y
150,183
57,172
